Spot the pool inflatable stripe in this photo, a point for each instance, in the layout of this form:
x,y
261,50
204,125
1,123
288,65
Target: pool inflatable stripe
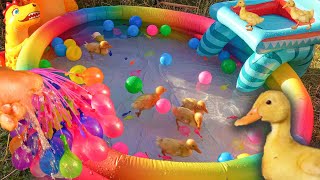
x,y
258,65
214,40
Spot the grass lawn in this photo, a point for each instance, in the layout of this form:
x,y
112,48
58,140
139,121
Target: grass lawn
x,y
311,79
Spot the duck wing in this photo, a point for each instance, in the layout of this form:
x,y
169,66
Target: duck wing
x,y
145,101
310,163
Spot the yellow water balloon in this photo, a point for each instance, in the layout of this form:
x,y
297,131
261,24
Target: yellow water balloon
x,y
243,155
75,74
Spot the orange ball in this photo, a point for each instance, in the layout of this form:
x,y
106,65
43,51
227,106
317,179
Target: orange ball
x,y
92,75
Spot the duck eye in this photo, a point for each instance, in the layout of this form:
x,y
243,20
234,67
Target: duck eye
x,y
15,11
268,102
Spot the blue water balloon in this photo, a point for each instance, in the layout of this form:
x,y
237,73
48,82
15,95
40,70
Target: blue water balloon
x,y
225,156
48,163
33,143
92,125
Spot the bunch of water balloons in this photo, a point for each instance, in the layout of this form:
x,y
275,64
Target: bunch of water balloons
x,y
72,121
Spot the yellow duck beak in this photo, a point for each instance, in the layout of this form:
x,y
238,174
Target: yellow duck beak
x,y
205,110
251,117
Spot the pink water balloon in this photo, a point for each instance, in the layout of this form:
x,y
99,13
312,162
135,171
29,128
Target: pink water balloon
x,y
98,88
141,155
103,104
112,126
255,136
35,167
121,147
96,148
22,158
184,131
205,77
152,30
78,145
163,106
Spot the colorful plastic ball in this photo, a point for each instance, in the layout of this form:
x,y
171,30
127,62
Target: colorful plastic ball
x,y
56,41
121,147
165,30
108,25
134,84
228,66
133,30
135,20
205,77
74,53
225,156
243,155
75,72
69,43
152,30
163,106
223,55
60,50
141,155
44,63
166,59
194,43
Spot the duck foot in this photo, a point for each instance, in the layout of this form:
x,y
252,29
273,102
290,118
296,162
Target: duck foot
x,y
198,133
138,113
166,158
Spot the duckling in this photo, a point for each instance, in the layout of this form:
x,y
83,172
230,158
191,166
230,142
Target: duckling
x,y
251,18
281,151
98,48
97,36
187,116
147,101
299,15
194,105
176,147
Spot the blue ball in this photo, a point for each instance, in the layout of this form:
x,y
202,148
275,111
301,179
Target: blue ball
x,y
166,59
225,156
194,43
108,25
56,41
60,50
133,30
223,55
135,20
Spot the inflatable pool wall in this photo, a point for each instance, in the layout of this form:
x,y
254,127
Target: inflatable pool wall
x,y
269,45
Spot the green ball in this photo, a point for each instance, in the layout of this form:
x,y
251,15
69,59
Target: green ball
x,y
165,30
228,66
44,63
134,84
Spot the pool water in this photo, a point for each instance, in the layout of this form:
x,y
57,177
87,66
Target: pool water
x,y
180,78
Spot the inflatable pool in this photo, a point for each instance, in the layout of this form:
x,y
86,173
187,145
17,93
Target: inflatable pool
x,y
180,78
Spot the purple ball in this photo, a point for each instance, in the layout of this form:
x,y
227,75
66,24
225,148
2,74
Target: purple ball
x,y
22,158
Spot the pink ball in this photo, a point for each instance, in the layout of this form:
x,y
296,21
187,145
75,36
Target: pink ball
x,y
121,147
205,77
141,155
163,106
152,30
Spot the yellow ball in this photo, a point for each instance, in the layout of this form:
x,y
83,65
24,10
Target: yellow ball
x,y
69,42
243,155
74,53
75,74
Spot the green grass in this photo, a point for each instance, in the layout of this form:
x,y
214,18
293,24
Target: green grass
x,y
311,79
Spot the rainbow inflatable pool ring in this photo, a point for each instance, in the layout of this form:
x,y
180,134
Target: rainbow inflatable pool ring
x,y
120,166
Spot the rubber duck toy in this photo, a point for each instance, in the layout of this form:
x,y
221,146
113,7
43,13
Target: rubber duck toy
x,y
283,157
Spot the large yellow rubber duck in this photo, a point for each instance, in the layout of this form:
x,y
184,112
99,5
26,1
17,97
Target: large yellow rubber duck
x,y
283,157
22,17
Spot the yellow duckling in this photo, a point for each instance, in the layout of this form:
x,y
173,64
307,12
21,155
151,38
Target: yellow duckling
x,y
97,36
176,147
299,15
98,48
148,101
281,152
251,18
188,117
194,105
